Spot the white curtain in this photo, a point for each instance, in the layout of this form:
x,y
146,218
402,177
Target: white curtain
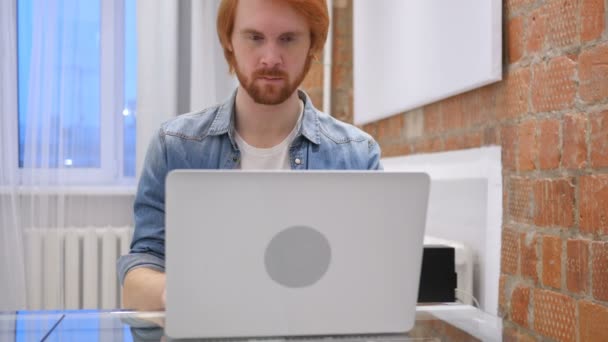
x,y
59,103
181,66
12,268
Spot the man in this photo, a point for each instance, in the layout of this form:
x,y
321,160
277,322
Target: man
x,y
267,124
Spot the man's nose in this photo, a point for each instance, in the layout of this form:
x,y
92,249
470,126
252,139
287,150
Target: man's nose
x,y
271,55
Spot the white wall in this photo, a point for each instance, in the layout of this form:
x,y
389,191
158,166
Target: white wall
x,y
78,208
410,53
465,205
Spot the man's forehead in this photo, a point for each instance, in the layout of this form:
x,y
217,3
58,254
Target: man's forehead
x,y
269,17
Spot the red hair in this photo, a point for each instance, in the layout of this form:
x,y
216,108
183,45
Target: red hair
x,y
315,12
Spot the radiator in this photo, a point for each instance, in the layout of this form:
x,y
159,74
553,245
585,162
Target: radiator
x,y
74,268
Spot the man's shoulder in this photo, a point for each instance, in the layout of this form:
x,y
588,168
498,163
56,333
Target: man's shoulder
x,y
193,125
345,146
341,132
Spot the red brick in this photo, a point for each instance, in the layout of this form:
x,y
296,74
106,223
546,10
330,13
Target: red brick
x,y
515,39
575,141
506,192
593,322
390,128
480,106
552,261
520,200
453,333
454,143
473,139
343,43
599,270
553,85
554,315
316,97
599,140
537,31
502,284
516,5
512,335
510,251
453,113
562,22
593,74
592,19
512,94
520,300
528,145
342,104
314,78
508,139
490,136
428,145
460,142
577,266
371,129
554,203
341,76
549,144
432,118
509,334
593,207
396,150
528,257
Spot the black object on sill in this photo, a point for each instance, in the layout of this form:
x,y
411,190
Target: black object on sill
x,y
438,280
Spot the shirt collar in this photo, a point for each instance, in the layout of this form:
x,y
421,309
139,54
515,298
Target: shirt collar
x,y
224,119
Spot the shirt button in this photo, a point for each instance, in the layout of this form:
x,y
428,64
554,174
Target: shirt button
x,y
298,161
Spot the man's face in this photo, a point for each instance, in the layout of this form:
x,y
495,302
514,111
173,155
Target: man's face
x,y
271,44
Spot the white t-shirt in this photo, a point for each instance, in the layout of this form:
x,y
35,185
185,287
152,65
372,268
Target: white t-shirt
x,y
272,158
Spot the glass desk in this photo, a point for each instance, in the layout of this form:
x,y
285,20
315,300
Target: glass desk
x,y
445,322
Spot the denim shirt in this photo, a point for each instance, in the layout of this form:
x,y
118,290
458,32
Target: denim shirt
x,y
205,140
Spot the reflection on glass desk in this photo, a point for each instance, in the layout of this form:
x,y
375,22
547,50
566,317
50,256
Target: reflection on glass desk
x,y
446,322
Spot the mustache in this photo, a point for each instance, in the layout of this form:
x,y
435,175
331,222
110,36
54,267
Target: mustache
x,y
274,72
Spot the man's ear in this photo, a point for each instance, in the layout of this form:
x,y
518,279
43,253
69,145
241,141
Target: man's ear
x,y
229,47
312,56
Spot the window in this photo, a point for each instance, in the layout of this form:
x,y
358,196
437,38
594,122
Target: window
x,y
77,90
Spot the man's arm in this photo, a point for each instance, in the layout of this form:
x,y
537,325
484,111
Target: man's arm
x,y
141,271
144,289
374,156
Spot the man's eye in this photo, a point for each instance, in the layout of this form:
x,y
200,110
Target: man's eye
x,y
287,39
255,37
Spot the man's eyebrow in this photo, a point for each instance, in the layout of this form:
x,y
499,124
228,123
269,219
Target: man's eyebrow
x,y
292,33
256,32
249,31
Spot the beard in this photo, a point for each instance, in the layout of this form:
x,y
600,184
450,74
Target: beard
x,y
270,94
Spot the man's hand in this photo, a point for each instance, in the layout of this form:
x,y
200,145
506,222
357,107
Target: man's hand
x,y
144,290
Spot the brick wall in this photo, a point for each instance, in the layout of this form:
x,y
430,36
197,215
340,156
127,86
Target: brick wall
x,y
550,115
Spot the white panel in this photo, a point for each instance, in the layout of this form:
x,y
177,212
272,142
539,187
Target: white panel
x,y
411,53
52,269
124,236
90,270
474,219
34,268
109,282
72,270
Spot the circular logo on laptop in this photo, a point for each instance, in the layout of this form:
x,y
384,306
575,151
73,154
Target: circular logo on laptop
x,y
298,256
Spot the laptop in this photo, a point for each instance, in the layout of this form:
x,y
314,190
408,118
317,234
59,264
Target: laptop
x,y
293,254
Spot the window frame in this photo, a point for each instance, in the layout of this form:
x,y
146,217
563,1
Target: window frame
x,y
110,172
